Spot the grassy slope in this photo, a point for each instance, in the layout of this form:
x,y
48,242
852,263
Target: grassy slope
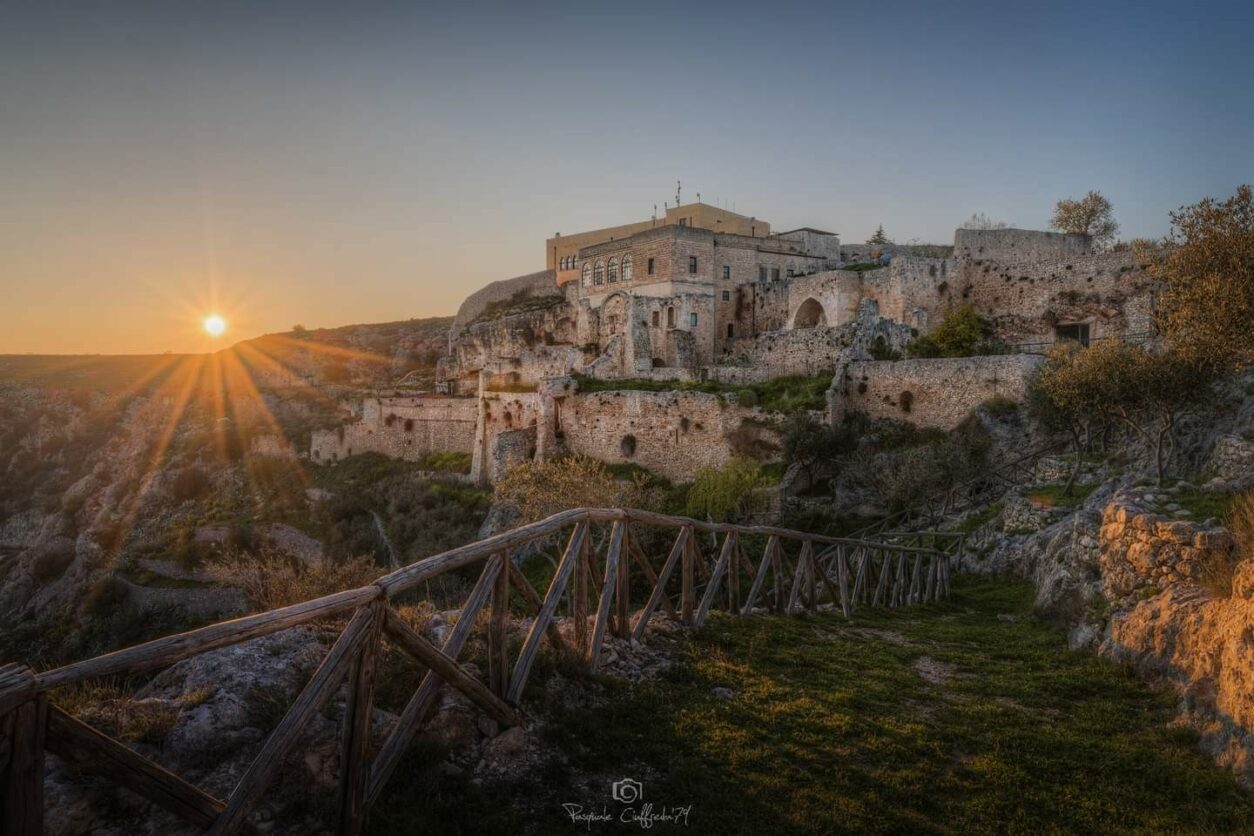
x,y
832,730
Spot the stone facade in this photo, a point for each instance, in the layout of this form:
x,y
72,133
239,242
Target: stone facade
x,y
404,428
935,392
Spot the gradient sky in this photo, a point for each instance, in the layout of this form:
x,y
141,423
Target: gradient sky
x,y
331,163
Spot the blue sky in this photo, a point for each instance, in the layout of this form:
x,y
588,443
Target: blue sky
x,y
336,163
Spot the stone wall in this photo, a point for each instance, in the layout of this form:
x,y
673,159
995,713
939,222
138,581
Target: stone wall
x,y
672,434
1194,636
1011,245
942,392
404,428
532,284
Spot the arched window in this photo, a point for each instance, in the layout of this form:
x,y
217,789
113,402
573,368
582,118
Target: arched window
x,y
587,275
598,273
626,268
612,272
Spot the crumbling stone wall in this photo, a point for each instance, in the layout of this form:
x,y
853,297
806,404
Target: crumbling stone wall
x,y
672,434
933,393
404,428
1013,245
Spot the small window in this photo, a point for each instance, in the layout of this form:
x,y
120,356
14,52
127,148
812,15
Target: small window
x,y
692,265
626,268
657,319
611,273
761,274
692,320
790,272
670,317
774,274
731,331
726,295
598,273
649,267
587,275
726,272
1078,332
683,221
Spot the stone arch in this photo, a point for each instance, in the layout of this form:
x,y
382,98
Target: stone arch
x,y
810,314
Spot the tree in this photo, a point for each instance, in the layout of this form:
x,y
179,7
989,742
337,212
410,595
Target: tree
x,y
961,333
299,331
879,238
1091,215
811,444
1207,306
1065,396
981,221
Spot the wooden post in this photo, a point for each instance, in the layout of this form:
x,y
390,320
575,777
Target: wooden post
x,y
842,572
622,595
777,571
22,773
733,580
531,645
355,732
716,577
659,585
607,595
498,651
583,572
760,576
688,597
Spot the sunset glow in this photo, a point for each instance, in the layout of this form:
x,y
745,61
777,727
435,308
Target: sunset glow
x,y
215,326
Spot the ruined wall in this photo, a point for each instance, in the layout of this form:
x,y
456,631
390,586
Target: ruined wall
x,y
404,428
837,291
532,284
1169,625
672,434
942,391
1013,245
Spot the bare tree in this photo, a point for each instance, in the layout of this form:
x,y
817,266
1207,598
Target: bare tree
x,y
981,221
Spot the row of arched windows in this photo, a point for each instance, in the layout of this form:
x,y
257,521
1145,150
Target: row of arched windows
x,y
567,263
606,272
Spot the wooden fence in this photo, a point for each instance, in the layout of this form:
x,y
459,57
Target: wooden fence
x,y
794,573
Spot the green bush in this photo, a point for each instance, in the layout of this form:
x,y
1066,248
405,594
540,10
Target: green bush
x,y
726,492
961,333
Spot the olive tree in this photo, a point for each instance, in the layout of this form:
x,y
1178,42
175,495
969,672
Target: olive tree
x,y
1091,215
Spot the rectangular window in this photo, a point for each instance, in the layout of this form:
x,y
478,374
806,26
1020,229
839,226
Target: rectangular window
x,y
774,274
683,221
692,265
731,331
727,272
761,274
1078,332
657,319
670,317
790,272
726,295
650,267
692,320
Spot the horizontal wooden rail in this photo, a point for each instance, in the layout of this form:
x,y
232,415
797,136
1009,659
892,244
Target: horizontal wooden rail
x,y
794,574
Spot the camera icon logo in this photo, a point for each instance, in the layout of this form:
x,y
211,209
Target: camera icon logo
x,y
626,791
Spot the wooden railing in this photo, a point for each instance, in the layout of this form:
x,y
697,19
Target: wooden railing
x,y
795,573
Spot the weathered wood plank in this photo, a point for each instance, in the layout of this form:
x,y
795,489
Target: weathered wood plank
x,y
355,732
642,561
759,577
842,572
612,556
415,711
544,618
83,747
310,701
498,650
22,778
687,594
716,577
622,594
425,653
659,585
583,579
519,583
798,579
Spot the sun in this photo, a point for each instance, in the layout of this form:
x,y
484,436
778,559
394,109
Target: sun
x,y
215,326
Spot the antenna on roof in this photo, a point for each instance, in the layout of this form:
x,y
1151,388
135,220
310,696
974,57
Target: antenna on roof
x,y
698,197
678,191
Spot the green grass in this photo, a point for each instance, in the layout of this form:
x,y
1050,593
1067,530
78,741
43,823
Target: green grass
x,y
781,394
833,730
1053,496
979,518
863,266
1203,504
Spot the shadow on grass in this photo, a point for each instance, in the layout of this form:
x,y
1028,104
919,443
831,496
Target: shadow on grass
x,y
938,719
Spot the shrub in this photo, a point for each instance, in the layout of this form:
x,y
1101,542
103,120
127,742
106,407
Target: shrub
x,y
961,333
736,488
275,580
537,489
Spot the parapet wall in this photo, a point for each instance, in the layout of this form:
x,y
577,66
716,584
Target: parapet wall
x,y
1010,245
403,428
933,393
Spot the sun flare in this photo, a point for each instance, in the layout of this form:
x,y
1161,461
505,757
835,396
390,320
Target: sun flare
x,y
215,326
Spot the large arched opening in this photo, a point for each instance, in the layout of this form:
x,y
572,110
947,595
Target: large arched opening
x,y
809,315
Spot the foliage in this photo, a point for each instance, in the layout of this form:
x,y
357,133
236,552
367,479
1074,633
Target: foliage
x,y
537,489
878,237
1091,215
447,462
911,465
780,394
863,266
961,333
1057,496
728,492
1001,407
810,443
1207,306
831,729
981,221
276,580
